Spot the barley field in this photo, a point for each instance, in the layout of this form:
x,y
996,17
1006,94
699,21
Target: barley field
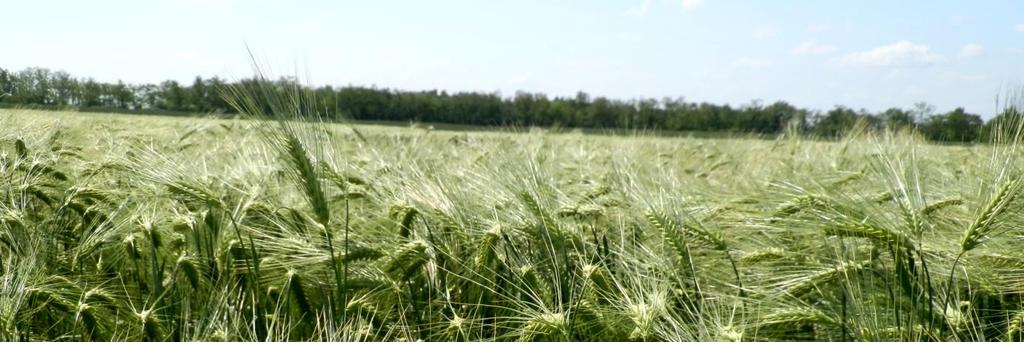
x,y
135,228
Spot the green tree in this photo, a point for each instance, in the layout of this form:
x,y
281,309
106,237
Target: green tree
x,y
896,118
7,84
1003,125
197,97
214,88
955,126
922,111
91,94
841,120
601,113
123,96
172,96
33,86
775,117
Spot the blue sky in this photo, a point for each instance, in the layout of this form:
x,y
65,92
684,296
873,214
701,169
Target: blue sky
x,y
870,54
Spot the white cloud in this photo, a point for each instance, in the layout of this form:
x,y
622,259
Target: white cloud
x,y
962,77
901,53
1018,27
627,37
753,63
307,27
811,48
765,33
971,50
691,4
641,10
203,5
819,28
521,78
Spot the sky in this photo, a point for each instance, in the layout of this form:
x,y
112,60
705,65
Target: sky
x,y
815,54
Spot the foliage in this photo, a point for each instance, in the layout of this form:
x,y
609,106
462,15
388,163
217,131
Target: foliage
x,y
42,87
132,228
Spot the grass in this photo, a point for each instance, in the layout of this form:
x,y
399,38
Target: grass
x,y
127,228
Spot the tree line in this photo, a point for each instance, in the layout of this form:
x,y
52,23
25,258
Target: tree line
x,y
47,88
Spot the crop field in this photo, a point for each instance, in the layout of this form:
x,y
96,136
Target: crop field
x,y
135,228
